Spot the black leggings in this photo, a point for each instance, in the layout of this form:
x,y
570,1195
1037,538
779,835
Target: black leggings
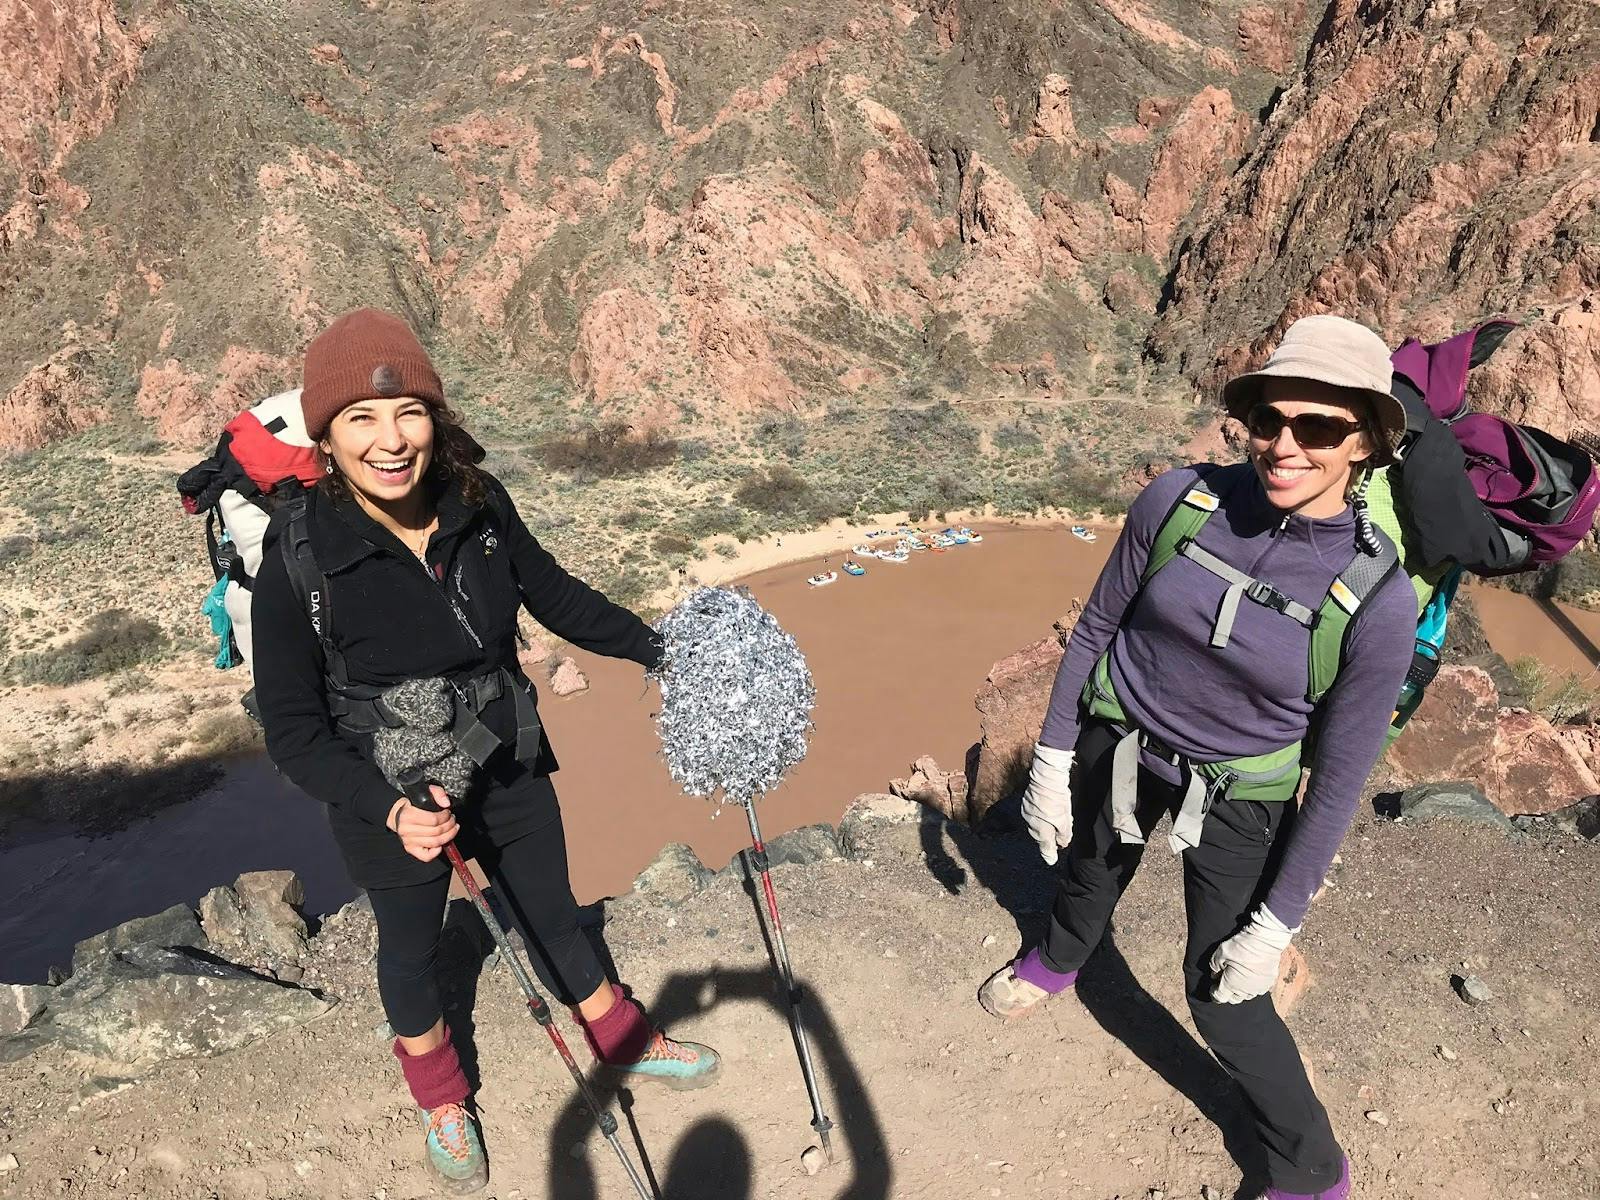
x,y
529,877
1223,879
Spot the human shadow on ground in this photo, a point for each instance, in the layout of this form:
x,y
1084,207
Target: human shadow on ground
x,y
711,1159
999,856
710,1162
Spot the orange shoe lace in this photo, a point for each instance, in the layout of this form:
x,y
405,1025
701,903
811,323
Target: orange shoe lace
x,y
663,1047
449,1125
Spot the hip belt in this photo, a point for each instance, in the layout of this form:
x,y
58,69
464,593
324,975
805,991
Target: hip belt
x,y
1271,778
360,710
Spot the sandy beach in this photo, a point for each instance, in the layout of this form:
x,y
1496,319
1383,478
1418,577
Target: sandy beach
x,y
756,555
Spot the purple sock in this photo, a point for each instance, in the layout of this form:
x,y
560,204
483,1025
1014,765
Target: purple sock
x,y
1031,967
1339,1191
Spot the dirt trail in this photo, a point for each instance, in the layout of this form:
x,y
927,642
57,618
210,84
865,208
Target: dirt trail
x,y
1101,1095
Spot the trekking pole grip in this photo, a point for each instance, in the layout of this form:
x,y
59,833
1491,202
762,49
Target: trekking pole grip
x,y
415,786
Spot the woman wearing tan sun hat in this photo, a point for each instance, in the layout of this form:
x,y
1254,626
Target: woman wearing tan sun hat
x,y
1189,687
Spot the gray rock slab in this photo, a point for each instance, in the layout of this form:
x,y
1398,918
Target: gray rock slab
x,y
1451,802
222,919
20,1003
804,846
1582,818
147,1005
869,814
675,874
273,927
175,926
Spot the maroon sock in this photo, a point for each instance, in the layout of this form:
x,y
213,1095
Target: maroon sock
x,y
436,1077
622,1035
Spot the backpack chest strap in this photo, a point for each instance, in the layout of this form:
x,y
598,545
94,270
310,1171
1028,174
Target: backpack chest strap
x,y
475,739
1240,586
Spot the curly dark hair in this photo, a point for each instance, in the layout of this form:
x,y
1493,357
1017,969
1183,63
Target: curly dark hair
x,y
456,455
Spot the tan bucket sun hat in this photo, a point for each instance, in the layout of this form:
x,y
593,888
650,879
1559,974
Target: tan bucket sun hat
x,y
1331,350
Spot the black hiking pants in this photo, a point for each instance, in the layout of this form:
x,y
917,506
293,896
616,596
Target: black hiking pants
x,y
1224,878
529,877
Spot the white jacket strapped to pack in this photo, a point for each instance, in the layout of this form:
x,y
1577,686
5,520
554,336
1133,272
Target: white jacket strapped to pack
x,y
263,457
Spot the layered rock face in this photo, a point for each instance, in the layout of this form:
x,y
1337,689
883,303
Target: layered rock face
x,y
1434,162
683,221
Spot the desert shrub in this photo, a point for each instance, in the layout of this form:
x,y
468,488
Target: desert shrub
x,y
114,640
1017,437
130,683
15,547
626,584
224,733
939,427
777,491
784,435
1076,489
693,450
712,519
609,450
1557,696
1577,579
671,545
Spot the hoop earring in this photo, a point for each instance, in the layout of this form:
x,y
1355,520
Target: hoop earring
x,y
327,467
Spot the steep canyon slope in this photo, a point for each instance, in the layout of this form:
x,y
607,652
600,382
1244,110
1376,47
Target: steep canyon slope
x,y
929,253
684,212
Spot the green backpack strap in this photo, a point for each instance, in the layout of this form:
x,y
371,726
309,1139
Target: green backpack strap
x,y
1189,514
1346,594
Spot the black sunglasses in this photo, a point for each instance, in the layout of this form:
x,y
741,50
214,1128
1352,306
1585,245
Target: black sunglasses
x,y
1312,431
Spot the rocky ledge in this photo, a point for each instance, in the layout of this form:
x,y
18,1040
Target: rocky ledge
x,y
1440,993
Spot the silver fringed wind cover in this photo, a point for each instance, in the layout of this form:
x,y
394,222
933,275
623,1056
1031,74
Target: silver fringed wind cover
x,y
736,696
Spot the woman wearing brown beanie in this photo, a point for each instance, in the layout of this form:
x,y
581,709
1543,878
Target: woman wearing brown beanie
x,y
421,565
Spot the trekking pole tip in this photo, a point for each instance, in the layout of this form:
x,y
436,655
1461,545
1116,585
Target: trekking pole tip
x,y
824,1128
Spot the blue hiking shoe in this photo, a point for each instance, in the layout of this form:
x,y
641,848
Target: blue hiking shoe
x,y
681,1066
455,1153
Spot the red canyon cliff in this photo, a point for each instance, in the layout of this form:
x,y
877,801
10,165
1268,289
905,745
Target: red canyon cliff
x,y
687,213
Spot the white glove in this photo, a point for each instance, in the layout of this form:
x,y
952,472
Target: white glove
x,y
1047,804
1246,964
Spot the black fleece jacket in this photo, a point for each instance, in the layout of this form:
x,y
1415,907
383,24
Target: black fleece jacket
x,y
393,619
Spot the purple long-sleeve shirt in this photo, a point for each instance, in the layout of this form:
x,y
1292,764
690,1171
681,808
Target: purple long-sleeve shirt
x,y
1250,696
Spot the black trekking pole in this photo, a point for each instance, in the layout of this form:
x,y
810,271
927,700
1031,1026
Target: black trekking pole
x,y
758,859
417,791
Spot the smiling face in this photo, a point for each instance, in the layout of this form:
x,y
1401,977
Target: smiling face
x,y
1301,479
382,447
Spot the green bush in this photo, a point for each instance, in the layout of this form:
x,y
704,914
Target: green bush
x,y
777,491
114,640
1578,578
670,545
1017,437
713,519
610,450
1558,697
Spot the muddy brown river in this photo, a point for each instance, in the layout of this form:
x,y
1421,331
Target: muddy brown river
x,y
897,656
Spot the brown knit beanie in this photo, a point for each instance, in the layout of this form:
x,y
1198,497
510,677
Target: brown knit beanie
x,y
364,354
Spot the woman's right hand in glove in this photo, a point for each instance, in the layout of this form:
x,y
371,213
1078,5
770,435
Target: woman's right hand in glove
x,y
424,834
1047,804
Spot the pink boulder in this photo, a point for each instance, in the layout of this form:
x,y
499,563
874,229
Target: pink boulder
x,y
1011,706
1452,735
567,679
1536,769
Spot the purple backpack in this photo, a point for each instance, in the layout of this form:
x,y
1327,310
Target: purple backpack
x,y
1541,492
